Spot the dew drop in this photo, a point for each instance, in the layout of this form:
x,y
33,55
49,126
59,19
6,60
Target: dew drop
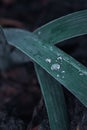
x,y
55,67
57,75
59,58
58,54
80,73
63,71
63,77
39,33
48,60
51,48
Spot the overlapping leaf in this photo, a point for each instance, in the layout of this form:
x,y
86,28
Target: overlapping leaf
x,y
59,65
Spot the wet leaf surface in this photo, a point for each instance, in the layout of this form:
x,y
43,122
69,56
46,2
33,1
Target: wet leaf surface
x,y
30,16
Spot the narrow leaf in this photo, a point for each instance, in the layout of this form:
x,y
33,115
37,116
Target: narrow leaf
x,y
54,100
62,67
57,62
63,28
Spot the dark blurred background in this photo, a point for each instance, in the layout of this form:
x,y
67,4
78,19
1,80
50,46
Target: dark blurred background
x,y
19,88
31,14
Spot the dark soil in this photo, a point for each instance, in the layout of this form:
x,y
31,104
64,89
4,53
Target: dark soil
x,y
21,104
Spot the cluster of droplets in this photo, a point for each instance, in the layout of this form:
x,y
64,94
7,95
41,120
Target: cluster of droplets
x,y
59,58
56,66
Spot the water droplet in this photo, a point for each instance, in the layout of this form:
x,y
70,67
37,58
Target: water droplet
x,y
63,71
63,77
39,33
51,48
48,60
59,58
58,54
55,67
80,73
57,75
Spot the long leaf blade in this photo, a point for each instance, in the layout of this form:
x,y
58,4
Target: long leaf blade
x,y
63,28
52,92
54,100
63,68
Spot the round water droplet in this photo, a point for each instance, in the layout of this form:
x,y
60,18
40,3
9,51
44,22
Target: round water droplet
x,y
55,67
39,33
57,75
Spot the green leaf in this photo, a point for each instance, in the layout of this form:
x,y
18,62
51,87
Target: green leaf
x,y
63,28
54,100
63,68
8,57
66,70
52,92
4,52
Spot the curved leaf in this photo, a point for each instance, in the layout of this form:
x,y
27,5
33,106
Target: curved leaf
x,y
58,64
62,67
63,28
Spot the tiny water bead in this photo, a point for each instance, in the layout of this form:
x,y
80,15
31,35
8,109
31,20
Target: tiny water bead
x,y
58,75
39,33
59,58
55,67
81,74
48,60
58,54
63,71
51,48
63,77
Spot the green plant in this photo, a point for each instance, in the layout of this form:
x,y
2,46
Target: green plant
x,y
53,66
